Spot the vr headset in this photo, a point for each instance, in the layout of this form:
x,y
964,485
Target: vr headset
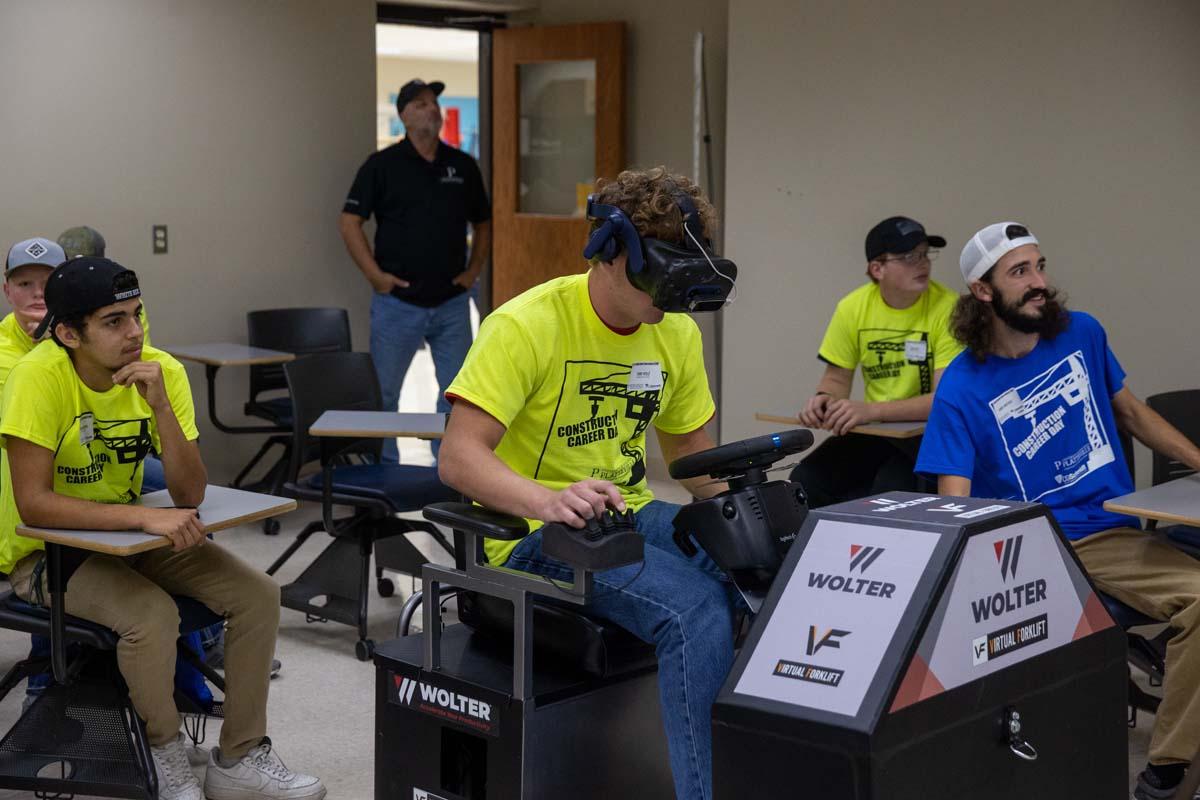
x,y
678,277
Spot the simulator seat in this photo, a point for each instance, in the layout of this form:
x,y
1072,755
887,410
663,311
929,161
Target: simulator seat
x,y
592,700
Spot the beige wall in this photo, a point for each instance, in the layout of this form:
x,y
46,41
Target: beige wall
x,y
658,96
1078,118
461,77
239,125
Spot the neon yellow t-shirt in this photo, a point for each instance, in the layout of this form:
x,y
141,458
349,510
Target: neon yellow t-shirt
x,y
45,402
15,343
559,379
899,349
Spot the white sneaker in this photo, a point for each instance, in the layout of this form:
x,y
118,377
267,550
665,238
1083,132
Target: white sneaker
x,y
175,778
259,775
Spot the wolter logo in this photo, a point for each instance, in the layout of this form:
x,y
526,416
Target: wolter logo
x,y
863,557
1008,552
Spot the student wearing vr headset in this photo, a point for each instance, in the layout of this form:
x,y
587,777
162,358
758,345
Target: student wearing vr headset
x,y
550,414
897,328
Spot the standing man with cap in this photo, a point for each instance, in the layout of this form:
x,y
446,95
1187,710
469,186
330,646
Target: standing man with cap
x,y
423,194
897,328
77,416
1032,412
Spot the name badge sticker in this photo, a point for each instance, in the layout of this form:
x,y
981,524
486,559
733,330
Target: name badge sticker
x,y
87,427
916,350
645,376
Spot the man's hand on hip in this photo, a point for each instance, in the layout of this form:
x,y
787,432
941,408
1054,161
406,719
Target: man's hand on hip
x,y
384,282
466,279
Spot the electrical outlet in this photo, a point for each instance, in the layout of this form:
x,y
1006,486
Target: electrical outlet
x,y
160,238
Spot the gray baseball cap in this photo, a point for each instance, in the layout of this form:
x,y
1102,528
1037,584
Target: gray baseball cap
x,y
33,251
82,241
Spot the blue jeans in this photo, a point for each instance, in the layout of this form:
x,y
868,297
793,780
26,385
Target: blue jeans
x,y
684,607
153,476
397,331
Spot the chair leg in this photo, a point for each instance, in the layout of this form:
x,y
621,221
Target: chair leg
x,y
366,546
262,451
300,539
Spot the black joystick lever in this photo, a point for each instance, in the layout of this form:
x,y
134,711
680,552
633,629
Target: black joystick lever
x,y
606,542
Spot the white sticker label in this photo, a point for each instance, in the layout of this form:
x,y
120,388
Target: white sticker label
x,y
87,427
916,351
645,376
980,512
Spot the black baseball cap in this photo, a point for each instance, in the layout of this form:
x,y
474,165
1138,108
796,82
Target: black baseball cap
x,y
410,90
82,285
898,235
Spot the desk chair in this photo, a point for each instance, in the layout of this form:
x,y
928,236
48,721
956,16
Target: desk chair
x,y
83,736
335,585
293,330
1181,409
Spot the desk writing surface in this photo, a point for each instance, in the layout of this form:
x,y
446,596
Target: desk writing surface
x,y
888,430
222,508
379,424
228,354
1173,501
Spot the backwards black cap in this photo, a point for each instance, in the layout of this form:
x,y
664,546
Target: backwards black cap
x,y
82,285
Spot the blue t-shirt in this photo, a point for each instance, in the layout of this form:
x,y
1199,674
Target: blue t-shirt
x,y
1038,428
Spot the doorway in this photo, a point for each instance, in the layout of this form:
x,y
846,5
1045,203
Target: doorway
x,y
403,51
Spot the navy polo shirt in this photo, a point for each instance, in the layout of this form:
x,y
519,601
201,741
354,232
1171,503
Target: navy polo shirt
x,y
421,213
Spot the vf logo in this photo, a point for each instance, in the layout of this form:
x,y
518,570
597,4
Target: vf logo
x,y
863,557
827,639
1008,552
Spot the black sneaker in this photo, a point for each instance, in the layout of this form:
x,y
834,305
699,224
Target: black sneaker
x,y
1148,788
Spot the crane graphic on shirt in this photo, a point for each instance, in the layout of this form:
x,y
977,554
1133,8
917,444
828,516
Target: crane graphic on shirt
x,y
1051,428
898,344
597,409
886,353
119,445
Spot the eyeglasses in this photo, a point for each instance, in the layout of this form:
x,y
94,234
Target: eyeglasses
x,y
916,257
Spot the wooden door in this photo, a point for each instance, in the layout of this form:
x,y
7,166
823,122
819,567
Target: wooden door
x,y
558,108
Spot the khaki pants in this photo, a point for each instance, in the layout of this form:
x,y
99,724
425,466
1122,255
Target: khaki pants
x,y
1153,577
132,596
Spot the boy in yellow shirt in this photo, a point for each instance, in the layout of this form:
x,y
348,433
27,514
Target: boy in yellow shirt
x,y
551,410
897,327
78,415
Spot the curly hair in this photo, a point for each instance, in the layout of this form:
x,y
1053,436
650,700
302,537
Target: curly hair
x,y
971,324
648,198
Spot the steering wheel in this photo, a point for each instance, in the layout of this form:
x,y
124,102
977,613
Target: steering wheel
x,y
737,458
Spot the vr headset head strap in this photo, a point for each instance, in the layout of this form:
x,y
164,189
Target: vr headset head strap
x,y
616,233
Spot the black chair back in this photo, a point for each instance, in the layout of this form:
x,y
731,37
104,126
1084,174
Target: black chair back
x,y
1181,409
331,382
293,330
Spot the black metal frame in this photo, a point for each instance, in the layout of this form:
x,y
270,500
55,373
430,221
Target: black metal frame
x,y
59,570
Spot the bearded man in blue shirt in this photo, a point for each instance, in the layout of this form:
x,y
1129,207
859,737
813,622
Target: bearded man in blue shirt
x,y
1031,411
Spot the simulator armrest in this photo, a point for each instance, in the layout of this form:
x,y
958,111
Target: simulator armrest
x,y
476,519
